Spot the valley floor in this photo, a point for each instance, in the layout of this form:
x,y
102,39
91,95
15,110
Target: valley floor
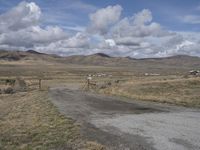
x,y
74,119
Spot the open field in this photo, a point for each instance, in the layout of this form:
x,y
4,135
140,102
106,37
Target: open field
x,y
176,89
166,89
99,75
29,120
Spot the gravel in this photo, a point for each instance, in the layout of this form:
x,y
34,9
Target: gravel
x,y
130,124
167,131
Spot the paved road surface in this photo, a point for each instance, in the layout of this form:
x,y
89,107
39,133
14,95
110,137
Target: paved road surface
x,y
134,125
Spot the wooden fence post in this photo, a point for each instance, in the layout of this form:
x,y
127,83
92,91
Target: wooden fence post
x,y
40,84
88,84
89,78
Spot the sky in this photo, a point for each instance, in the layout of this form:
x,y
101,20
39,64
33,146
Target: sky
x,y
126,28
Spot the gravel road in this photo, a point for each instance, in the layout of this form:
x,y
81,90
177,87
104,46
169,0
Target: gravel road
x,y
124,124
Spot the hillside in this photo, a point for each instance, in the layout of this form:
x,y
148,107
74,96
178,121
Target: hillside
x,y
166,65
179,63
98,59
25,55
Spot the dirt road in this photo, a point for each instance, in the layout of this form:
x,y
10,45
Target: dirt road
x,y
134,125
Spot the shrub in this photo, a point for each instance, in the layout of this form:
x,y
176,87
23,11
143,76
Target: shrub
x,y
9,90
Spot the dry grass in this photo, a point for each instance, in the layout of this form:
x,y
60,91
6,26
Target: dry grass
x,y
173,90
30,121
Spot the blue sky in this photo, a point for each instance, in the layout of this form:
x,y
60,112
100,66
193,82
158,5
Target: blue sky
x,y
178,19
166,13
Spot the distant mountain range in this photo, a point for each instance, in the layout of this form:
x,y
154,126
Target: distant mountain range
x,y
174,63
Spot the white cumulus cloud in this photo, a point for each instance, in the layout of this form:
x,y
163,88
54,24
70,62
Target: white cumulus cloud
x,y
135,36
22,16
103,18
139,25
19,27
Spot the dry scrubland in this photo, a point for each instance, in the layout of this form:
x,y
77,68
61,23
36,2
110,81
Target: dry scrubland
x,y
178,90
28,120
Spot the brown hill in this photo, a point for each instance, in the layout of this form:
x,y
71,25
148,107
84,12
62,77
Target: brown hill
x,y
179,61
98,59
25,55
172,64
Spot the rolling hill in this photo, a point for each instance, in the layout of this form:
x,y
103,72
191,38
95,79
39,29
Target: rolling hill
x,y
171,64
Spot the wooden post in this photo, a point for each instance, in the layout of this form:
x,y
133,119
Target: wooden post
x,y
40,84
88,84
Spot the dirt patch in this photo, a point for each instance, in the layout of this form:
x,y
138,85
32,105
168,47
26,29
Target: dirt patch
x,y
114,105
115,141
84,107
129,125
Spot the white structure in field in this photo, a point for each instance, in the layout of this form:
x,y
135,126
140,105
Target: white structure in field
x,y
89,78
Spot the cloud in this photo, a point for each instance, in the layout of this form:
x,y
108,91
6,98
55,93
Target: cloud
x,y
31,36
103,18
20,27
76,44
145,16
129,36
139,25
80,40
174,40
181,43
184,44
138,36
191,19
128,41
74,28
22,16
110,42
